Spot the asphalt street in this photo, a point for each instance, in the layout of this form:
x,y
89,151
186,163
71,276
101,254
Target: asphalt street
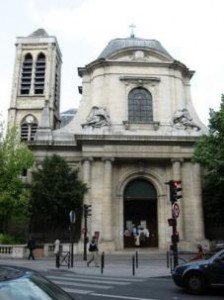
x,y
150,281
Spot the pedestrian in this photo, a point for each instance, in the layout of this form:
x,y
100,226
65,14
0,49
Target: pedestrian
x,y
31,247
93,249
57,252
200,254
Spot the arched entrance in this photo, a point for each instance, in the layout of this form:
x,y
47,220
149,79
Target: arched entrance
x,y
140,211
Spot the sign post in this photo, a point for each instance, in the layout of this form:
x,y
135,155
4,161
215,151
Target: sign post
x,y
175,187
87,213
72,218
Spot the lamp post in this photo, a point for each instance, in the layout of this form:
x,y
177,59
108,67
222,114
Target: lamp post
x,y
72,218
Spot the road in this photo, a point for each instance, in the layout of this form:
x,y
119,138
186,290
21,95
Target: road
x,y
101,287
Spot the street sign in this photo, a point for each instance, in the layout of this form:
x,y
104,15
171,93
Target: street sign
x,y
172,222
72,216
175,210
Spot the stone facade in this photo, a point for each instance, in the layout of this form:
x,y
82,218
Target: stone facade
x,y
135,126
26,101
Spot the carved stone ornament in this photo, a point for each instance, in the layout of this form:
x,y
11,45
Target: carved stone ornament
x,y
183,120
138,56
98,117
140,80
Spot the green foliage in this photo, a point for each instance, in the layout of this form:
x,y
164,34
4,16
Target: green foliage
x,y
209,153
56,189
8,239
14,158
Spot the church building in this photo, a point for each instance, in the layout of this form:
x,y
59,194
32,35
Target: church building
x,y
134,131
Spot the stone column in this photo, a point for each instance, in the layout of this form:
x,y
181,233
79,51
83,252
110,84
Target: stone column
x,y
176,170
87,177
188,196
107,201
119,213
197,204
86,171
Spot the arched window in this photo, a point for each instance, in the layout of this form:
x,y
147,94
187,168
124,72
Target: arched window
x,y
140,106
40,74
28,128
26,75
140,189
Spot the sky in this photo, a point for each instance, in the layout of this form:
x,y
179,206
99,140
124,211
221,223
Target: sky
x,y
190,30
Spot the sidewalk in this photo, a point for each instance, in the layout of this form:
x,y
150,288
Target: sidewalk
x,y
118,264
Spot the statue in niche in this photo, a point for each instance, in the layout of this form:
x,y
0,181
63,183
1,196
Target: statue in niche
x,y
98,117
183,120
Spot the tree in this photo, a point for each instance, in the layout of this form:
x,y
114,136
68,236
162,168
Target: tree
x,y
55,191
209,152
15,157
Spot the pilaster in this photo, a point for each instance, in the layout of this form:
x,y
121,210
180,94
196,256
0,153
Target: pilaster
x,y
197,204
86,171
107,201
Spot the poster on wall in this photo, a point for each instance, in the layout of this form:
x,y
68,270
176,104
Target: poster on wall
x,y
143,223
129,224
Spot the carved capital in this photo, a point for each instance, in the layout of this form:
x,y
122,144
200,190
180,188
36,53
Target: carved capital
x,y
174,160
105,159
90,159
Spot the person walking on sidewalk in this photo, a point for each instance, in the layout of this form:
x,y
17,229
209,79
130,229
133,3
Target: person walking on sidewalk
x,y
31,247
93,249
57,252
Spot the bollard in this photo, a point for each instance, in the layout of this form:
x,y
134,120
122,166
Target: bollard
x,y
57,257
69,259
102,262
167,259
136,259
171,261
133,265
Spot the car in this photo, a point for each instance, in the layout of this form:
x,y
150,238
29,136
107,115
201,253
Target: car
x,y
197,276
22,283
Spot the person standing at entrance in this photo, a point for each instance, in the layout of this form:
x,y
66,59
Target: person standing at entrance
x,y
31,247
93,249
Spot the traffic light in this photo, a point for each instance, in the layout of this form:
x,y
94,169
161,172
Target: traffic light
x,y
87,210
175,190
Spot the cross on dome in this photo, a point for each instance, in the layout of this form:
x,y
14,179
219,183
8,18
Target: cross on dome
x,y
132,27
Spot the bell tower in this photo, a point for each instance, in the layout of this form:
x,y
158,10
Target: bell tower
x,y
36,83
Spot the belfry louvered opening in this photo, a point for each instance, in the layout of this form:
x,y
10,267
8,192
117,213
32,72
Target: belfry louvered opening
x,y
29,127
40,74
56,87
26,75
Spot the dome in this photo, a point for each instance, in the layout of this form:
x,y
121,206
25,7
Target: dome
x,y
117,45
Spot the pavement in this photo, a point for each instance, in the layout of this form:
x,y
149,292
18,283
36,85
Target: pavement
x,y
121,264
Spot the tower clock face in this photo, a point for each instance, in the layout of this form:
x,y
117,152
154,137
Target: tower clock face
x,y
29,119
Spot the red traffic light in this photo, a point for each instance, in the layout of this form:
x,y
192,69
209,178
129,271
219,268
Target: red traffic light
x,y
175,190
